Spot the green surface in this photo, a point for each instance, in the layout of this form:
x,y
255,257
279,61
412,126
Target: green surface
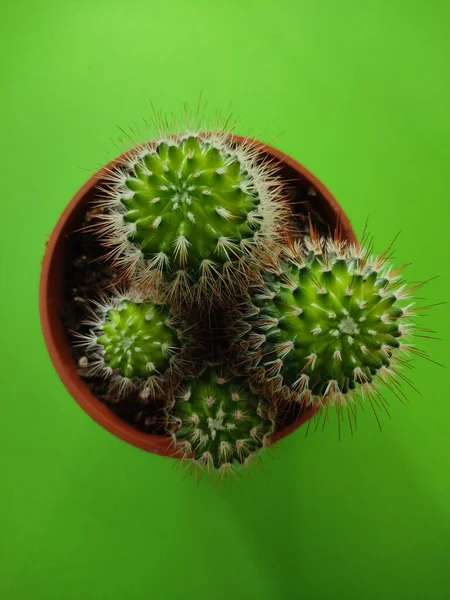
x,y
361,91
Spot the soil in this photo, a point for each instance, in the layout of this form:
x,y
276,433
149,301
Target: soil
x,y
87,273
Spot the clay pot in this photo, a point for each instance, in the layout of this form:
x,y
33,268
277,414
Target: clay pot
x,y
51,291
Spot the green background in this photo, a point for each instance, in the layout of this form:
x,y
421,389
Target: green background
x,y
361,92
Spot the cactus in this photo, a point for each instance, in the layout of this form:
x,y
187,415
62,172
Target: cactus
x,y
134,342
326,323
218,423
186,210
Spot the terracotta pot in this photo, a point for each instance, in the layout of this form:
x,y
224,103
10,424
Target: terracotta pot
x,y
51,293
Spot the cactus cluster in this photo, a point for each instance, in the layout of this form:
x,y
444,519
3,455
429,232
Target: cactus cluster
x,y
195,222
186,211
219,421
325,322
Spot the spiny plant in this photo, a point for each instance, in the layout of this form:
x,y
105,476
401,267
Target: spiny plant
x,y
218,423
134,342
185,211
327,322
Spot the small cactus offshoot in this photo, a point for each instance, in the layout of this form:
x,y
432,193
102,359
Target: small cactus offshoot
x,y
186,210
134,342
219,423
326,323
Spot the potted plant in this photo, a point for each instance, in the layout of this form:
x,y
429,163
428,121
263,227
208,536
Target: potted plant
x,y
203,295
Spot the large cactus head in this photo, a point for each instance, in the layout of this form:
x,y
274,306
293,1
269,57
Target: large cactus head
x,y
134,341
325,322
218,423
186,211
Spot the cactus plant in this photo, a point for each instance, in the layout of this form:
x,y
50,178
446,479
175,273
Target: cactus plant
x,y
186,210
218,423
327,322
133,341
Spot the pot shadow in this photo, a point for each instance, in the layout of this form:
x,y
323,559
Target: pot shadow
x,y
267,514
273,516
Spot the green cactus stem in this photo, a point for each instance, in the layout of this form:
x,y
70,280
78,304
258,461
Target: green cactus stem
x,y
218,423
188,209
326,323
133,342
